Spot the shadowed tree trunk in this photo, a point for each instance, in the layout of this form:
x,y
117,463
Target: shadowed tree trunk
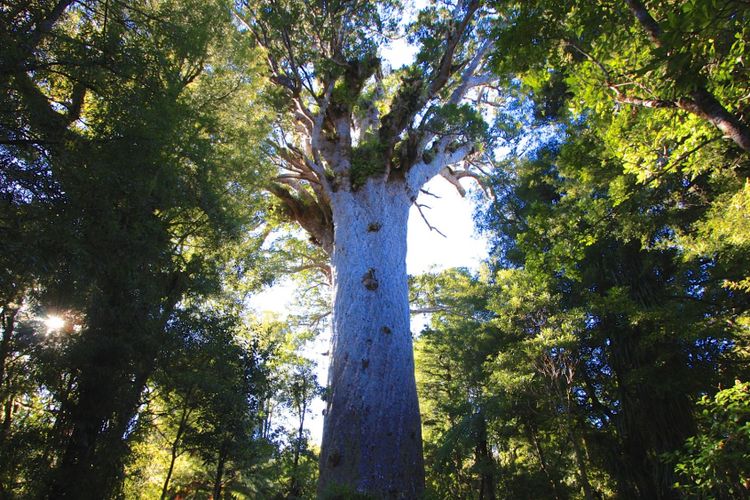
x,y
532,436
7,316
484,461
219,476
303,390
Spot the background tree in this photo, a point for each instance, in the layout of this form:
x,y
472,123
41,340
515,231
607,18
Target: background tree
x,y
647,101
455,403
121,183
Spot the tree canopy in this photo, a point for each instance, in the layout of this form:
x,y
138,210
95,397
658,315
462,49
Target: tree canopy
x,y
156,156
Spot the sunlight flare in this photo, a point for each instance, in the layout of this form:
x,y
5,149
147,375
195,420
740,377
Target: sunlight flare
x,y
54,323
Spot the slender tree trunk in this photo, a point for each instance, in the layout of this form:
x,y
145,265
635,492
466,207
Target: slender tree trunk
x,y
300,433
218,478
583,474
294,488
8,317
175,448
485,463
8,324
372,439
531,431
7,417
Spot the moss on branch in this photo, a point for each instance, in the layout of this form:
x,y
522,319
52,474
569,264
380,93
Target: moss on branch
x,y
367,160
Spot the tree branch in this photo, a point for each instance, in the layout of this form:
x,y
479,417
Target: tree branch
x,y
303,208
469,79
430,310
702,102
432,228
412,95
454,177
422,172
46,25
648,23
446,62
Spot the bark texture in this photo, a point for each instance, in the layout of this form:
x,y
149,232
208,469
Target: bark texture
x,y
372,407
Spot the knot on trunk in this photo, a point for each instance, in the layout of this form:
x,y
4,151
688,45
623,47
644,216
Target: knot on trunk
x,y
368,279
334,459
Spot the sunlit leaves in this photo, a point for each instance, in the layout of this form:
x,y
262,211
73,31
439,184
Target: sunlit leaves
x,y
715,461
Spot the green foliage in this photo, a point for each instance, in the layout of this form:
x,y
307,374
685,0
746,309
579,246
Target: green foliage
x,y
583,363
133,165
596,64
461,120
616,241
715,462
367,160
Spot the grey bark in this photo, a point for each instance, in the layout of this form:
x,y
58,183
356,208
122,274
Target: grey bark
x,y
372,439
372,433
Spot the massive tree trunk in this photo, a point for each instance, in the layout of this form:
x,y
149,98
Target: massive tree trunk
x,y
372,437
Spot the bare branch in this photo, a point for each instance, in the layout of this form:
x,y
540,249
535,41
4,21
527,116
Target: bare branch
x,y
467,81
412,96
315,137
446,62
638,101
304,116
432,228
448,175
602,68
325,269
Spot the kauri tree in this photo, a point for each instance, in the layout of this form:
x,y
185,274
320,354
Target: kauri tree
x,y
354,146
